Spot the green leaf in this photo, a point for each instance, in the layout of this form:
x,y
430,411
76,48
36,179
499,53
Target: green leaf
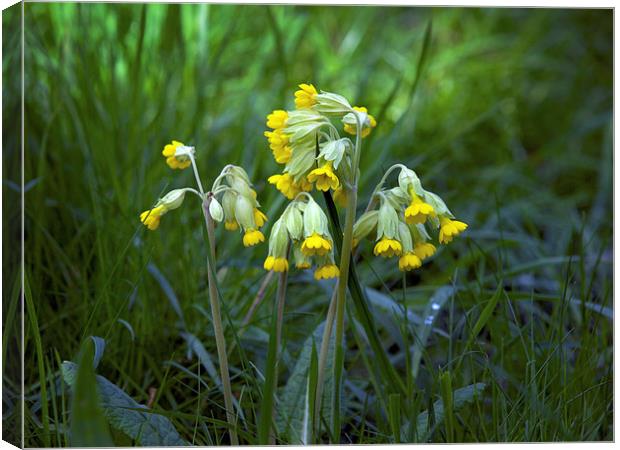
x,y
88,424
293,412
445,381
125,414
485,315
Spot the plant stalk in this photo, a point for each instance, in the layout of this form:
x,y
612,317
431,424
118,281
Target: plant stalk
x,y
218,328
266,433
327,332
345,261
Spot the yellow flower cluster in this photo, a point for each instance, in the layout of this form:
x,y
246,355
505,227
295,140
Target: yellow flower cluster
x,y
398,226
294,136
176,154
239,207
302,226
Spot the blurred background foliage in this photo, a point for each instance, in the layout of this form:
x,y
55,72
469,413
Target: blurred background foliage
x,y
510,121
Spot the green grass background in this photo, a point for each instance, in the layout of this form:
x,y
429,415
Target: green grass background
x,y
511,122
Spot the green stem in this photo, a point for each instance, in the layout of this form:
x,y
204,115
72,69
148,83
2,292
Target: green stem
x,y
266,433
345,261
218,328
327,332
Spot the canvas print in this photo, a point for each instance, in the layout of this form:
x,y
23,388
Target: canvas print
x,y
231,224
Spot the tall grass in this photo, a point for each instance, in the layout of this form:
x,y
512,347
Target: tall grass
x,y
503,121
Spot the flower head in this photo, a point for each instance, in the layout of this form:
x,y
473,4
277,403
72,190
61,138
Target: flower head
x,y
285,184
387,248
305,96
277,119
368,121
276,264
252,237
409,261
152,217
177,155
316,244
449,229
424,250
327,271
172,200
418,210
324,178
278,142
259,217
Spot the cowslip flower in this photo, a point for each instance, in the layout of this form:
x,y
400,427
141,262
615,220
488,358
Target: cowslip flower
x,y
305,97
327,271
409,261
152,217
277,119
276,264
287,186
316,244
324,177
388,244
252,237
424,250
172,200
278,247
278,143
387,248
368,122
176,155
418,210
317,238
449,229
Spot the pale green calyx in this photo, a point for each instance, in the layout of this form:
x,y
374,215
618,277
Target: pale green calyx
x,y
278,239
404,235
215,210
173,199
315,220
228,204
244,212
301,161
407,179
387,225
335,150
365,225
302,124
330,103
352,118
293,221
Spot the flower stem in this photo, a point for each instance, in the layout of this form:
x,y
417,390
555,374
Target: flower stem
x,y
266,434
345,260
218,329
327,332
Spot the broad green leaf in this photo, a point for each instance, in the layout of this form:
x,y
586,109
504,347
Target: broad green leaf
x,y
293,414
88,424
127,415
